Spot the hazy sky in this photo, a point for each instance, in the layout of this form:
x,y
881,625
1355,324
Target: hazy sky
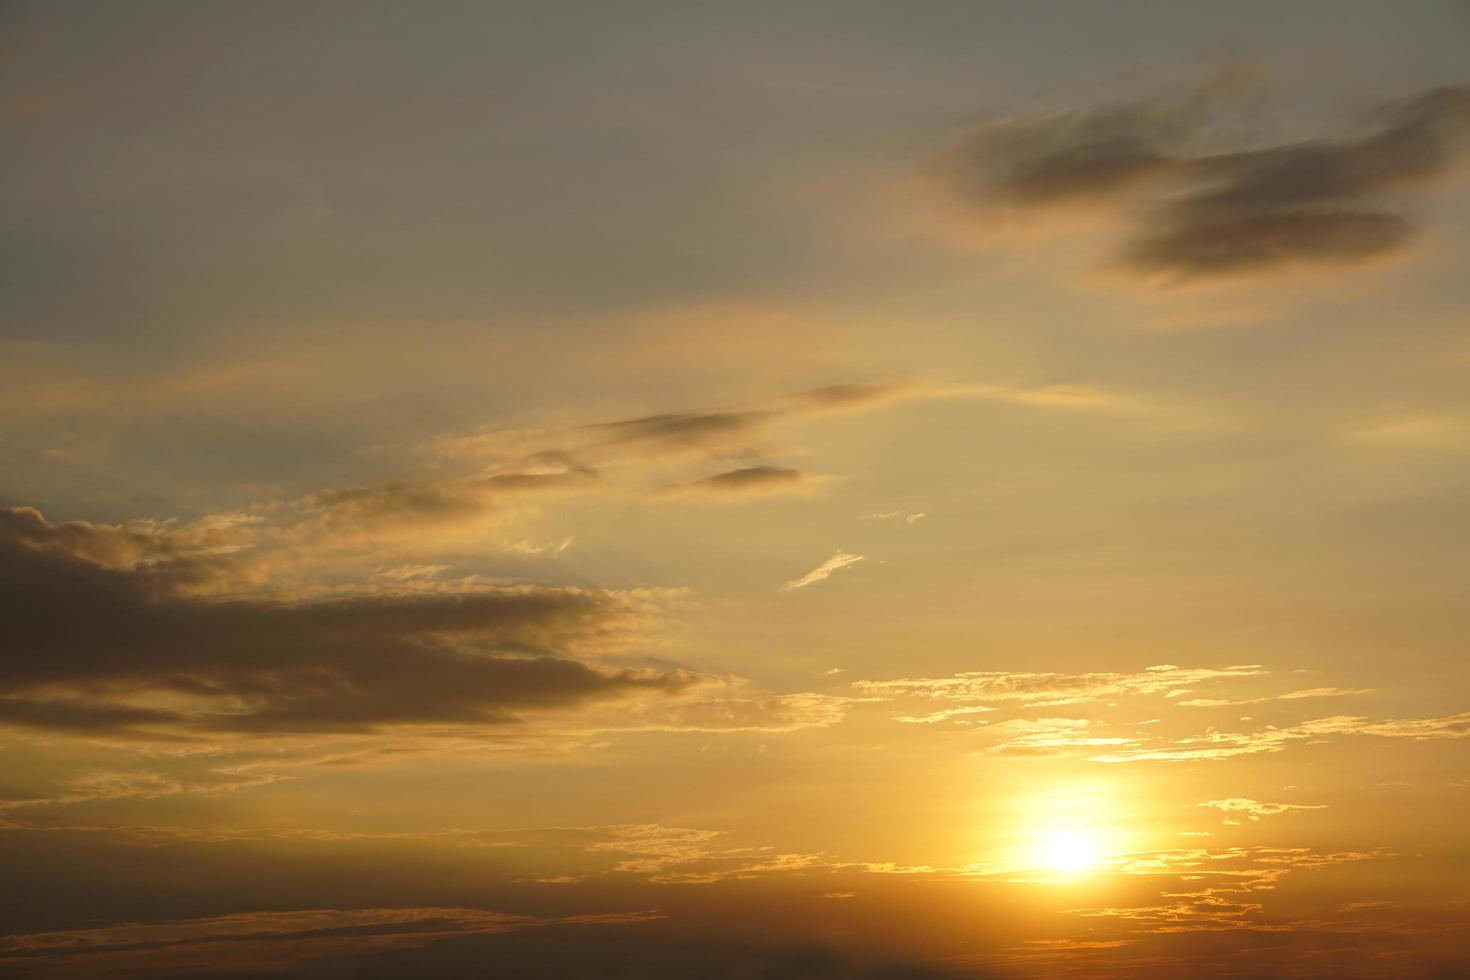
x,y
795,491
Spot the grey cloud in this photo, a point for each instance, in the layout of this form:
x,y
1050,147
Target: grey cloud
x,y
80,716
571,477
684,428
747,481
1196,244
276,938
396,498
540,459
405,503
86,642
771,713
449,942
546,462
1320,201
1073,157
167,557
1093,154
1416,142
853,395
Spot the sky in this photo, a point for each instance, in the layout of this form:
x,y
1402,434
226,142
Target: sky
x,y
824,491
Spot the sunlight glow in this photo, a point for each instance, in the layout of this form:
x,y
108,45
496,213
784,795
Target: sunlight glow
x,y
1069,852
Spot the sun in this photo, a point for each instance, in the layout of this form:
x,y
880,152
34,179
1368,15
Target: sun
x,y
1069,852
1067,833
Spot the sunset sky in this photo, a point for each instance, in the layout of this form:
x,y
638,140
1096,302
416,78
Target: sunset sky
x,y
751,491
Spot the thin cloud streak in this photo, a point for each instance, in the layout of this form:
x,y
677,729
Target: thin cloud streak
x,y
823,571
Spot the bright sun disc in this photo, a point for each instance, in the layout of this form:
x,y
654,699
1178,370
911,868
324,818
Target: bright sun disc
x,y
1069,851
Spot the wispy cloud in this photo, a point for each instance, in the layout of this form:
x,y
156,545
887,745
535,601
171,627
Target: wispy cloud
x,y
1255,810
896,515
1315,692
1045,689
748,481
1227,745
837,562
1046,736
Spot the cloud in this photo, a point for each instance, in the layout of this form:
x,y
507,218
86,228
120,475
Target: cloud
x,y
746,482
708,431
684,429
684,855
1046,736
275,938
95,648
821,572
403,573
1199,211
165,556
447,500
984,691
81,716
896,515
1043,689
553,548
945,715
1256,810
1084,155
1315,692
498,466
1215,745
104,784
479,479
1203,242
1227,883
309,614
769,713
853,396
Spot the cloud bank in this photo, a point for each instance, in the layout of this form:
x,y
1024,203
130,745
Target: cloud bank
x,y
97,648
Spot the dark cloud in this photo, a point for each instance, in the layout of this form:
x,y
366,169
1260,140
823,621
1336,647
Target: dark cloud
x,y
270,940
649,952
1417,141
575,476
852,395
578,458
1216,245
162,559
168,558
556,468
749,480
1199,212
88,646
80,716
1066,159
395,500
442,942
685,428
408,504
